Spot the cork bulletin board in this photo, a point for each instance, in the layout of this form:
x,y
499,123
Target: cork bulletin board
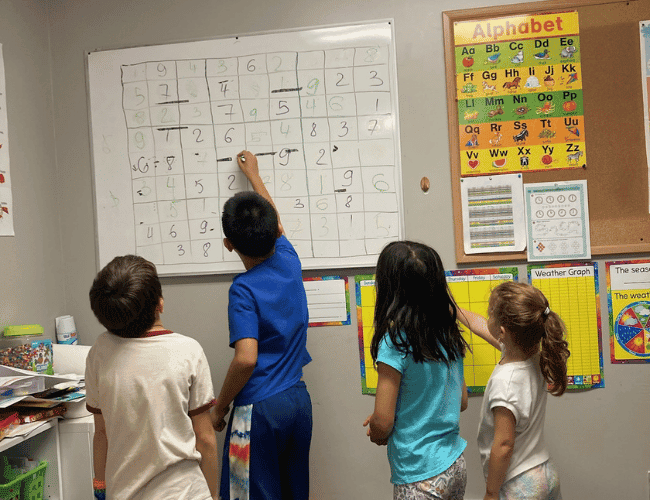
x,y
611,114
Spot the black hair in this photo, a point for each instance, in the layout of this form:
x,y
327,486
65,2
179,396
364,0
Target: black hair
x,y
414,306
125,294
524,312
250,222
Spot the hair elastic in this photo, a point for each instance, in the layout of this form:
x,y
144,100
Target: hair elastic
x,y
546,312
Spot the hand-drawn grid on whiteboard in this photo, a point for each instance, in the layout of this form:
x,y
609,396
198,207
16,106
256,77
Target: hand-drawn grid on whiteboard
x,y
328,300
470,289
572,292
628,300
317,106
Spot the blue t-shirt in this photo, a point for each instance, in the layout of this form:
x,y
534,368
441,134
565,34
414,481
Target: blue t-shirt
x,y
425,440
268,303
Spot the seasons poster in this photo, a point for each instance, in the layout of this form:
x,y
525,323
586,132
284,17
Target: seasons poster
x,y
519,93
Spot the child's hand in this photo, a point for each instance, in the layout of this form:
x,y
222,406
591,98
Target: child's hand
x,y
247,162
220,425
373,437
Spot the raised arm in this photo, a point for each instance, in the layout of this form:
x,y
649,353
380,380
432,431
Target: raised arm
x,y
477,324
247,162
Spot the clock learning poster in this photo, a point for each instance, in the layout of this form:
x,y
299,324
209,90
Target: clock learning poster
x,y
519,94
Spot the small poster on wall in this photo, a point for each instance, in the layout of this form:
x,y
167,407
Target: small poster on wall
x,y
628,298
644,28
519,94
6,203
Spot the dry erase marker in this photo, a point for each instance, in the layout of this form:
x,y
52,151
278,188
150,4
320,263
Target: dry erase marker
x,y
242,158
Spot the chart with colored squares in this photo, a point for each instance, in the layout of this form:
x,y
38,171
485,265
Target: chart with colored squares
x,y
628,298
519,94
471,290
572,292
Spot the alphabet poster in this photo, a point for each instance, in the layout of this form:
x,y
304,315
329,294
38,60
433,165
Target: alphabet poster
x,y
572,292
628,298
519,94
318,107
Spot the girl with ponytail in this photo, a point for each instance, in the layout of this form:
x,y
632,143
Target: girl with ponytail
x,y
534,361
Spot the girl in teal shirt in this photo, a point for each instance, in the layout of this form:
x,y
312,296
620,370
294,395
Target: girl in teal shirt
x,y
418,350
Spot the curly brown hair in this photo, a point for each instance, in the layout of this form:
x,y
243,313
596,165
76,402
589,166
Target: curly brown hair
x,y
524,312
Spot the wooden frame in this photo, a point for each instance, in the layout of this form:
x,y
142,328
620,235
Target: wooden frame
x,y
617,174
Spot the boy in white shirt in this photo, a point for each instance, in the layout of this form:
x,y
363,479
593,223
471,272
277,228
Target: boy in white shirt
x,y
150,391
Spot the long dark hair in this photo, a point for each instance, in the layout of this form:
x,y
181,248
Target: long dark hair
x,y
414,306
524,312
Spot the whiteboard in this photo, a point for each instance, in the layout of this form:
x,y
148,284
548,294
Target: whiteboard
x,y
317,106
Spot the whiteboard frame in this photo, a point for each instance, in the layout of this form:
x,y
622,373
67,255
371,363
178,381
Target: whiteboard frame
x,y
236,267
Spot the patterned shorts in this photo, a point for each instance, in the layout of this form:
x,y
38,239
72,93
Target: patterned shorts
x,y
539,483
450,485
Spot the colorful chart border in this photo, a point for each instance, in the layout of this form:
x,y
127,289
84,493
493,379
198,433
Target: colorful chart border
x,y
362,355
610,307
572,383
348,321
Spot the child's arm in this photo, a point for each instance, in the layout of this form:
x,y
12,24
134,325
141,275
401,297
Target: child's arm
x,y
464,401
477,324
100,447
240,370
501,452
206,445
247,162
382,420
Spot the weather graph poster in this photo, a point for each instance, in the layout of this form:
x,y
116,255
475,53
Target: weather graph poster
x,y
628,298
572,292
519,94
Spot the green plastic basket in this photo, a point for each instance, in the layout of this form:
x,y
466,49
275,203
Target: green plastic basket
x,y
28,486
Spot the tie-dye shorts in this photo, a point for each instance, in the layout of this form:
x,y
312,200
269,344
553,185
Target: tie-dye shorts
x,y
539,483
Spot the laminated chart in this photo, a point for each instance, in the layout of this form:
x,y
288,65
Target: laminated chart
x,y
471,290
519,94
628,298
644,36
328,300
318,107
572,292
366,295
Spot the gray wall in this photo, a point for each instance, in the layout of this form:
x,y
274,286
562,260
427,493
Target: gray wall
x,y
31,263
598,438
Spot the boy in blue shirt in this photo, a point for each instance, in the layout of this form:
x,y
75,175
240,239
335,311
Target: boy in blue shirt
x,y
266,450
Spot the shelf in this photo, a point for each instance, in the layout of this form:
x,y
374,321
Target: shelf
x,y
9,442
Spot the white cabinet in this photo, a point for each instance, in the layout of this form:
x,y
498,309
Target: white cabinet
x,y
42,444
76,437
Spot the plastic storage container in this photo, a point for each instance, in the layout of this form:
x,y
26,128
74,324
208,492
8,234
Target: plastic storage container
x,y
27,486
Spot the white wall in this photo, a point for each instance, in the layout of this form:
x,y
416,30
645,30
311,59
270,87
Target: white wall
x,y
598,438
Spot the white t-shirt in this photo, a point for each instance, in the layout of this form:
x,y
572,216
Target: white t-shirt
x,y
520,388
146,389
